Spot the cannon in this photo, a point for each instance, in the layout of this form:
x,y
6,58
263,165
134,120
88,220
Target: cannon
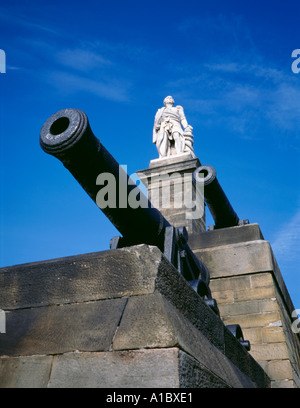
x,y
67,136
219,206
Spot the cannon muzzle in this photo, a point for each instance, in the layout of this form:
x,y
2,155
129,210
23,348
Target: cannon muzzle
x,y
216,200
67,135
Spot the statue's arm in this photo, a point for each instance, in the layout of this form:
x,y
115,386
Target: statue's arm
x,y
156,125
182,116
183,120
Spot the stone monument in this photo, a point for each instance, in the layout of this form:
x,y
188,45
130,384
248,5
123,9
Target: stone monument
x,y
132,317
169,177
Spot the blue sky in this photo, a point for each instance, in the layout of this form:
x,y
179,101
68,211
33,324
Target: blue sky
x,y
228,63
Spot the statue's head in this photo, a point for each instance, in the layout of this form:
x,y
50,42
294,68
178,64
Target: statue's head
x,y
169,99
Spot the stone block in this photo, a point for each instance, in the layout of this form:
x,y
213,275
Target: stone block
x,y
264,352
283,384
254,294
146,323
156,368
80,278
224,296
236,283
280,370
262,280
252,320
225,236
150,321
237,259
253,334
249,307
273,334
62,328
25,372
125,369
233,309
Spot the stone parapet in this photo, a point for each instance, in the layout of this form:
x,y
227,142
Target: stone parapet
x,y
119,318
250,290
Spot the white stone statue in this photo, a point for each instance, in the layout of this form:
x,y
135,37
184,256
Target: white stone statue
x,y
171,132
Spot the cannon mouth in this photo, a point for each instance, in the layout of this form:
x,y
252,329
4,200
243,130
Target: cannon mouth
x,y
208,175
63,130
59,126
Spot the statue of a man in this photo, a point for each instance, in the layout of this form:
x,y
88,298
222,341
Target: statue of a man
x,y
168,132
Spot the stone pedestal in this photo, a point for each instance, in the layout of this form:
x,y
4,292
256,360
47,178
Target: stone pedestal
x,y
170,189
250,290
115,319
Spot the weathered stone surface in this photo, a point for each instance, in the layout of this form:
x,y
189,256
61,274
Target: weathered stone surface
x,y
161,178
280,370
158,310
150,321
62,328
80,278
125,369
156,368
225,236
25,372
244,361
237,259
252,320
194,375
283,384
265,352
176,289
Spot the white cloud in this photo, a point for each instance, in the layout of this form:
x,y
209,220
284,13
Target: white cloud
x,y
286,243
71,83
81,59
245,96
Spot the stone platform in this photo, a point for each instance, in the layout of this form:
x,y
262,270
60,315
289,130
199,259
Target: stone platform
x,y
115,319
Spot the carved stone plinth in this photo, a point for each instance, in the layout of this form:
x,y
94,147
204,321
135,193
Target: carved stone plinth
x,y
170,189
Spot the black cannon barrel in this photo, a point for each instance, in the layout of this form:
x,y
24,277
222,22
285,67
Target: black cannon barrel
x,y
67,136
215,198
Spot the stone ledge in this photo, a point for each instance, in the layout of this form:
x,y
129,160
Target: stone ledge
x,y
80,278
225,236
156,368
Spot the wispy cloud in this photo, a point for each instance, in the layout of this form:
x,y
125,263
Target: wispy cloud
x,y
81,59
69,83
82,68
245,96
286,242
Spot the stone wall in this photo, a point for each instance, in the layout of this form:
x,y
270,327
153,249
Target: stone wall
x,y
249,288
115,319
